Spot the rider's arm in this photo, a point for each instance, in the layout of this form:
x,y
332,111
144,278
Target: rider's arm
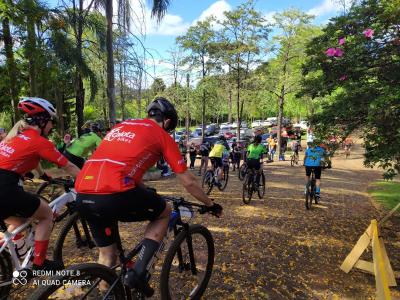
x,y
71,169
189,182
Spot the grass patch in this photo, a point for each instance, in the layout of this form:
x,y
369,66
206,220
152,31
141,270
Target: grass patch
x,y
385,192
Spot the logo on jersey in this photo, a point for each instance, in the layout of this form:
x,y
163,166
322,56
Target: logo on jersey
x,y
6,150
120,135
24,137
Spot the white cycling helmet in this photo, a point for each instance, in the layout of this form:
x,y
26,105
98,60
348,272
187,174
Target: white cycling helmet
x,y
33,106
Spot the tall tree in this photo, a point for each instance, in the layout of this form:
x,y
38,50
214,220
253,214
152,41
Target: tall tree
x,y
199,41
290,46
243,33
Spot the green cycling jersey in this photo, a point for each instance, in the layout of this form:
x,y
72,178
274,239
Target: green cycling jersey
x,y
83,145
255,152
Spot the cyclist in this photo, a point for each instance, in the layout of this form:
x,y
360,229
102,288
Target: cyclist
x,y
216,155
20,153
79,149
296,147
255,153
348,142
204,151
312,161
110,187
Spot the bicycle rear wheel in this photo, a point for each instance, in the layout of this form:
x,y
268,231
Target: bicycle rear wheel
x,y
6,276
188,264
247,191
86,285
242,171
208,181
225,177
51,191
75,234
261,186
292,160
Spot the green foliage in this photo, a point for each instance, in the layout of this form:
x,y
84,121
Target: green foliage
x,y
386,193
363,83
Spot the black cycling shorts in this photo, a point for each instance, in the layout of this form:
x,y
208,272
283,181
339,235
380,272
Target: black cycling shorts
x,y
317,171
104,211
216,162
76,160
253,164
14,201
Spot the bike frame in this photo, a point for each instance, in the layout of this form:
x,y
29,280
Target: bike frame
x,y
56,205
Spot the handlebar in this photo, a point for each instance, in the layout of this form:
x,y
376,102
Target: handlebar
x,y
202,209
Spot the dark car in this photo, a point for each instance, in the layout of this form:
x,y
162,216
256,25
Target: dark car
x,y
211,129
211,139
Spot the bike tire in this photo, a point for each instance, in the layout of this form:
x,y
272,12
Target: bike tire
x,y
176,251
242,172
83,238
225,178
292,161
247,190
261,186
308,196
207,183
6,270
90,271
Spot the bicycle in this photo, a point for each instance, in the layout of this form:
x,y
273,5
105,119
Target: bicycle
x,y
250,186
10,258
294,159
209,179
347,150
311,191
186,255
242,171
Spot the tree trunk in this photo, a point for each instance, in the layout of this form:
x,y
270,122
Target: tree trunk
x,y
110,63
79,102
122,94
203,115
30,53
238,106
187,119
280,115
60,110
230,107
11,68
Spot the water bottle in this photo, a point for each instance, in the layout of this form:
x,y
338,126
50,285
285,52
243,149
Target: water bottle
x,y
20,245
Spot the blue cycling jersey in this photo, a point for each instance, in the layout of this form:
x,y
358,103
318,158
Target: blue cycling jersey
x,y
314,156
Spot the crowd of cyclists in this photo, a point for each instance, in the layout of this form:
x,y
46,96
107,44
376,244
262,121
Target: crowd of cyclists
x,y
108,174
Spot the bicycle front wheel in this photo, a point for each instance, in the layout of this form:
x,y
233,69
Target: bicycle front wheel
x,y
188,264
292,160
308,196
85,281
207,183
75,234
261,186
6,276
247,191
225,177
242,171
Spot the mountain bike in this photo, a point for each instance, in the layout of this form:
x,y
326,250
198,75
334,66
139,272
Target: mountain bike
x,y
185,272
11,259
250,186
294,159
311,191
210,179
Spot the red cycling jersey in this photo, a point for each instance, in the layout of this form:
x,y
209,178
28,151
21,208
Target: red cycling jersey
x,y
125,154
23,152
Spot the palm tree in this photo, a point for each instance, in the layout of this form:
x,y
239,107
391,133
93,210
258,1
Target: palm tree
x,y
158,10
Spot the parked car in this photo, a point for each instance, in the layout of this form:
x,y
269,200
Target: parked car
x,y
273,121
256,123
266,123
302,125
211,129
246,132
198,132
211,139
229,134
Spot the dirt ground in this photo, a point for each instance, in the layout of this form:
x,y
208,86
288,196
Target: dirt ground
x,y
276,249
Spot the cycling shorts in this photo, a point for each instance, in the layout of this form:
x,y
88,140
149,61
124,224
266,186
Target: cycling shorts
x,y
103,211
317,171
76,160
216,162
14,201
253,164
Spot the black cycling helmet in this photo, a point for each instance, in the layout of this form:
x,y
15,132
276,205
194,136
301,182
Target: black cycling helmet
x,y
162,107
95,127
257,139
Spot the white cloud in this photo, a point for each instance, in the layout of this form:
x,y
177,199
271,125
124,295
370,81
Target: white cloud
x,y
216,9
269,16
326,7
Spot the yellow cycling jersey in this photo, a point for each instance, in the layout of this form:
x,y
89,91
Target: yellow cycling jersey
x,y
217,151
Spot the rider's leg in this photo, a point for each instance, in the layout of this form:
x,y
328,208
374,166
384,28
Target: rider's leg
x,y
318,180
